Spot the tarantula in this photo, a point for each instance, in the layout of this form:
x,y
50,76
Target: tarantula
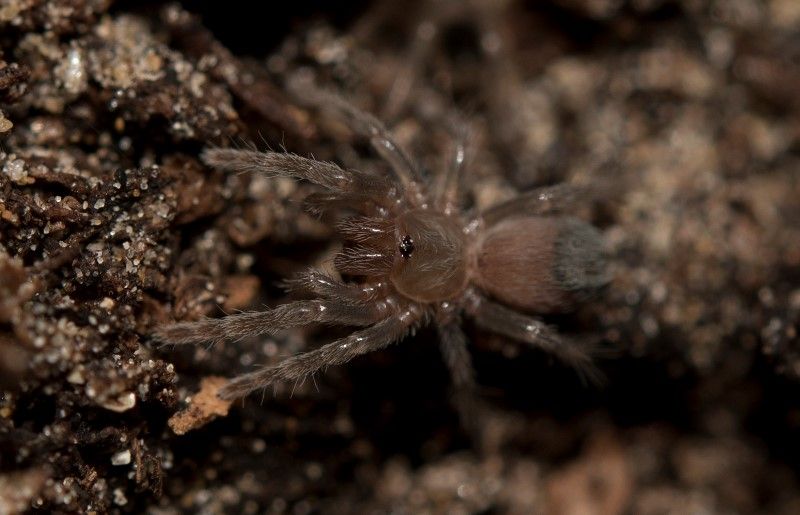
x,y
410,258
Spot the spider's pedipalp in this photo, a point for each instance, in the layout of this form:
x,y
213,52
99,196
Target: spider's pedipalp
x,y
297,368
364,229
363,260
281,164
507,322
253,323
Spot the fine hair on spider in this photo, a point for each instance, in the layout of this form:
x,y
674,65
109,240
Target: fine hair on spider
x,y
411,257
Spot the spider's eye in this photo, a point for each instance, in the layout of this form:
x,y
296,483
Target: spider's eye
x,y
406,246
431,264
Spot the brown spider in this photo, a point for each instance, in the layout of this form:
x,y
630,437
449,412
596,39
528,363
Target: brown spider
x,y
412,258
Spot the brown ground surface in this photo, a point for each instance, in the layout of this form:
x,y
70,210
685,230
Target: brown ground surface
x,y
683,116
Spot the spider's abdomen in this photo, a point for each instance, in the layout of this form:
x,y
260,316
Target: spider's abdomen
x,y
541,264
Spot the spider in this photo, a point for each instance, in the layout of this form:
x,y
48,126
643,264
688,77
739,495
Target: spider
x,y
411,257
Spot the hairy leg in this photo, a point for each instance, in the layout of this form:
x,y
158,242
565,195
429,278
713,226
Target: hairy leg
x,y
298,367
446,189
366,126
321,284
411,68
281,164
364,260
453,346
502,320
253,323
541,201
369,230
319,203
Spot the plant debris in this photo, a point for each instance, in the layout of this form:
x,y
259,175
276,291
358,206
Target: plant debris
x,y
204,407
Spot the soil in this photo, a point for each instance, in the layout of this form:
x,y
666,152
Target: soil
x,y
680,116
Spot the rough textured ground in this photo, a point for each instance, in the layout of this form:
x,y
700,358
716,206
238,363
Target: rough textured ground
x,y
682,115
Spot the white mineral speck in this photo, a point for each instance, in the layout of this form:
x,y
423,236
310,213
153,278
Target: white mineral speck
x,y
76,377
5,123
122,403
73,72
121,458
15,169
119,497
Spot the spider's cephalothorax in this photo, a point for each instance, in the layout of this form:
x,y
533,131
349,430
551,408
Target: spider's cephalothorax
x,y
411,258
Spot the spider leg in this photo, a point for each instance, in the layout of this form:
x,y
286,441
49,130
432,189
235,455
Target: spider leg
x,y
453,346
319,203
300,366
323,285
283,164
537,202
421,46
507,322
446,189
253,323
365,125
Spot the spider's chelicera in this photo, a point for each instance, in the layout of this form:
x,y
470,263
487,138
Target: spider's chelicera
x,y
410,257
